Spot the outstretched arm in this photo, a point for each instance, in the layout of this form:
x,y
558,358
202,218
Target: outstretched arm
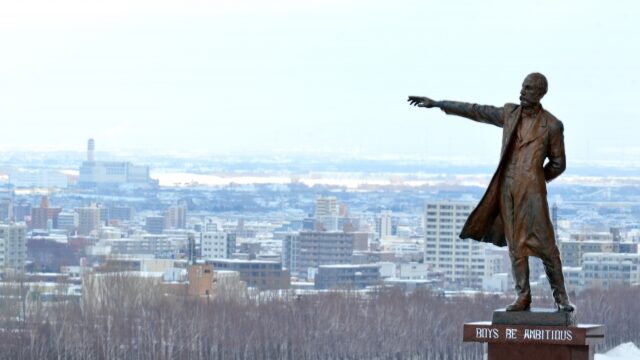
x,y
481,113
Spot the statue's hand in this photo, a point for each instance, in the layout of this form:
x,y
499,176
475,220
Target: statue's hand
x,y
421,101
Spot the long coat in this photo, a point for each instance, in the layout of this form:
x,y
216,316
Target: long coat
x,y
544,141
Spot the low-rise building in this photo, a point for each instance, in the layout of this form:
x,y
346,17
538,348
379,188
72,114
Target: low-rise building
x,y
572,250
310,249
347,276
608,269
264,275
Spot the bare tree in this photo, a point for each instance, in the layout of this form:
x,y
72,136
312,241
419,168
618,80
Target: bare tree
x,y
125,317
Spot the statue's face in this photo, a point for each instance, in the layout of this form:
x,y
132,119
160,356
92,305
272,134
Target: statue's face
x,y
531,93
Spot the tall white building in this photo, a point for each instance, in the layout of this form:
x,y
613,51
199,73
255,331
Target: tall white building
x,y
464,263
2,251
305,251
176,217
216,245
13,246
68,220
88,219
326,212
383,225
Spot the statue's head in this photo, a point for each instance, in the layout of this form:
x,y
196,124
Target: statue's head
x,y
534,87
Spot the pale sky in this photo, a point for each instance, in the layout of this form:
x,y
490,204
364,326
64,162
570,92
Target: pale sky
x,y
291,77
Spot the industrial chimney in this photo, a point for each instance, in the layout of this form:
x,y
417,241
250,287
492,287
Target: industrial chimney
x,y
91,146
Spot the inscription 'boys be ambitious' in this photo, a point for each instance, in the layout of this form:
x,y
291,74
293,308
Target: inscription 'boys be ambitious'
x,y
523,334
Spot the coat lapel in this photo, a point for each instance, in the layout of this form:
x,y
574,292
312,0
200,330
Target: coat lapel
x,y
538,129
510,126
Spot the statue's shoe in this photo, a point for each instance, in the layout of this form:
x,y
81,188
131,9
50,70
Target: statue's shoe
x,y
566,307
519,305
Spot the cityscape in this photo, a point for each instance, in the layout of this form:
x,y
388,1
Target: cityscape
x,y
74,229
281,180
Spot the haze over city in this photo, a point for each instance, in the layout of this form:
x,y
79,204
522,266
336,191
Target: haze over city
x,y
241,179
315,77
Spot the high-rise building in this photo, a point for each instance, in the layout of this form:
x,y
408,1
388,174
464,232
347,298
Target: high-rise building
x,y
7,196
217,245
104,215
91,148
326,212
310,249
463,263
383,225
88,219
2,255
154,224
40,216
176,217
21,210
68,221
13,246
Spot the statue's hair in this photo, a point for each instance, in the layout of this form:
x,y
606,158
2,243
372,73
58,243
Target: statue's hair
x,y
541,82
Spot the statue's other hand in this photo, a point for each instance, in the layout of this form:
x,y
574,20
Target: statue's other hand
x,y
421,101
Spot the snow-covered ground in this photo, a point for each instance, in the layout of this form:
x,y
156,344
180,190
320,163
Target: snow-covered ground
x,y
626,351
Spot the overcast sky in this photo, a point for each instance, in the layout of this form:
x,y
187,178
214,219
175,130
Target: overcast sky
x,y
285,76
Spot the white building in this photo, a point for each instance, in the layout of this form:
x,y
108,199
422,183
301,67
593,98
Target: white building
x,y
413,271
573,278
327,212
215,245
13,246
94,173
68,220
176,217
383,225
149,244
112,172
498,282
572,250
88,220
608,269
387,269
464,263
2,251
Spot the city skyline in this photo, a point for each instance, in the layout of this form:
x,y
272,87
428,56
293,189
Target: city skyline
x,y
246,179
315,77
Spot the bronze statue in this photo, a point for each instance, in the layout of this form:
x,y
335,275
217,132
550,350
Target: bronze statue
x,y
514,208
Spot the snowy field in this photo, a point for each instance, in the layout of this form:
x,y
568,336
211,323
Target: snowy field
x,y
626,351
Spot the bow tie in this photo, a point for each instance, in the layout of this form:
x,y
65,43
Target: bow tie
x,y
531,111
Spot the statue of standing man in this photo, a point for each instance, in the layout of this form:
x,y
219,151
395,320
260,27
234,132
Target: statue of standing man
x,y
514,210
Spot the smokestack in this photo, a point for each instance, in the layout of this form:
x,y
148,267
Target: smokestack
x,y
91,146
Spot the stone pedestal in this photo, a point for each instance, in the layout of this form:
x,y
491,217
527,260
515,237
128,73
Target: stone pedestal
x,y
535,335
